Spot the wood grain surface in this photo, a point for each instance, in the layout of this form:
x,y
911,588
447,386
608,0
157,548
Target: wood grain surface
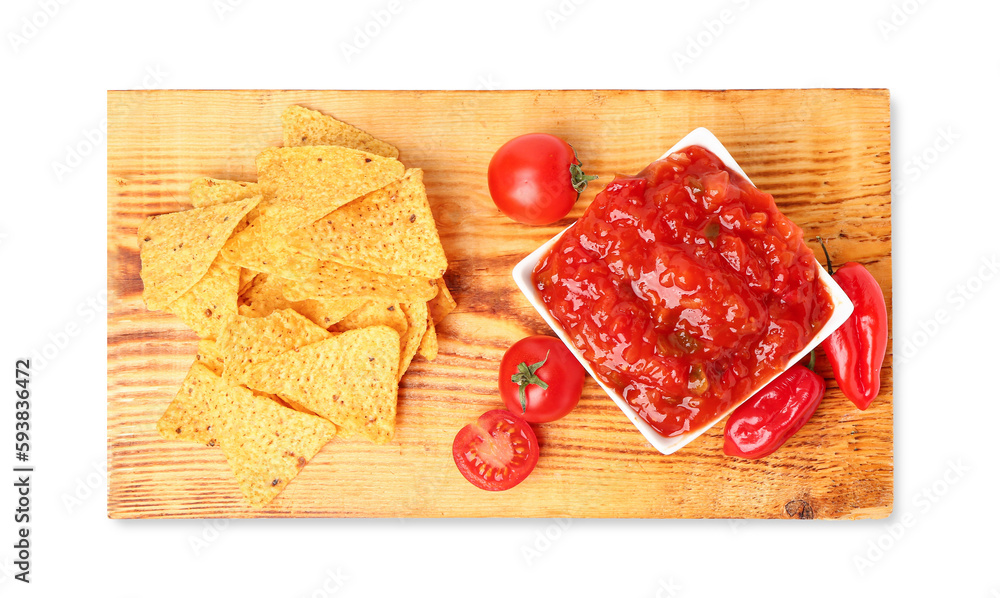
x,y
823,154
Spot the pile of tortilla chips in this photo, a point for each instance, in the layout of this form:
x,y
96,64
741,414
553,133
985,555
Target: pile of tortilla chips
x,y
311,289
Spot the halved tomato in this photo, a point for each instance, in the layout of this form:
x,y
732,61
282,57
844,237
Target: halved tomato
x,y
497,452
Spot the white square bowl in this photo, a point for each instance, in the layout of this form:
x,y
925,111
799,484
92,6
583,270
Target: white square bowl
x,y
842,308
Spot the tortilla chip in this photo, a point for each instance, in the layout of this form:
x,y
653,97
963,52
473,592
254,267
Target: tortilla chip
x,y
306,278
209,356
294,405
189,415
249,249
210,303
442,304
249,342
210,192
267,444
390,230
246,278
193,414
428,348
374,312
264,297
416,318
326,312
350,379
177,249
302,126
302,184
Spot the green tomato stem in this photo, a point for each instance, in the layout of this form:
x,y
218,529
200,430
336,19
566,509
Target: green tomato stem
x,y
526,375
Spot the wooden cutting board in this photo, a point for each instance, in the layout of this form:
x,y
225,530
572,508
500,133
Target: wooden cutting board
x,y
823,154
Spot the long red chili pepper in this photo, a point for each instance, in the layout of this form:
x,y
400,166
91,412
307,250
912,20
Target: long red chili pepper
x,y
761,425
856,350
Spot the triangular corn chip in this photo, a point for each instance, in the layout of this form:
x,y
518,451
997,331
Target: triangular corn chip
x,y
428,348
267,444
177,249
441,304
189,415
302,126
416,319
211,302
390,230
374,312
264,297
210,192
249,248
304,277
302,184
209,356
349,379
248,342
246,277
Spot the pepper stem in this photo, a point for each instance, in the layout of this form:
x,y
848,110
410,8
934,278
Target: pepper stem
x,y
829,264
812,360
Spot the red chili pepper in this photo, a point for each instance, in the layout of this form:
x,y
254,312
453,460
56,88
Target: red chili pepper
x,y
856,350
760,426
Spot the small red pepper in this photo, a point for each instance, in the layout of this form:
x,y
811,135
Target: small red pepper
x,y
856,350
760,426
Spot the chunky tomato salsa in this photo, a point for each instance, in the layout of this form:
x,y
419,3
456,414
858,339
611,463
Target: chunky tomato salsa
x,y
685,288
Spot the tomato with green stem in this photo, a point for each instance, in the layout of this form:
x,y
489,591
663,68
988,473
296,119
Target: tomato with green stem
x,y
540,379
536,178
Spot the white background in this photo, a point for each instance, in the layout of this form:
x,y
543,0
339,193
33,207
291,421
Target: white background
x,y
938,58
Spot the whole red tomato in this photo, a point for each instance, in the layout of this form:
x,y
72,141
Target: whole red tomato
x,y
540,379
497,452
536,178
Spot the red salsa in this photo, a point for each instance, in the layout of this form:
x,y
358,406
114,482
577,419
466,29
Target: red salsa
x,y
685,288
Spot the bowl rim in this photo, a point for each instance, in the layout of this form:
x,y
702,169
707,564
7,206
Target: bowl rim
x,y
842,309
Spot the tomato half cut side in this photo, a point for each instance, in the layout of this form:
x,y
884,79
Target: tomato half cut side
x,y
497,452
